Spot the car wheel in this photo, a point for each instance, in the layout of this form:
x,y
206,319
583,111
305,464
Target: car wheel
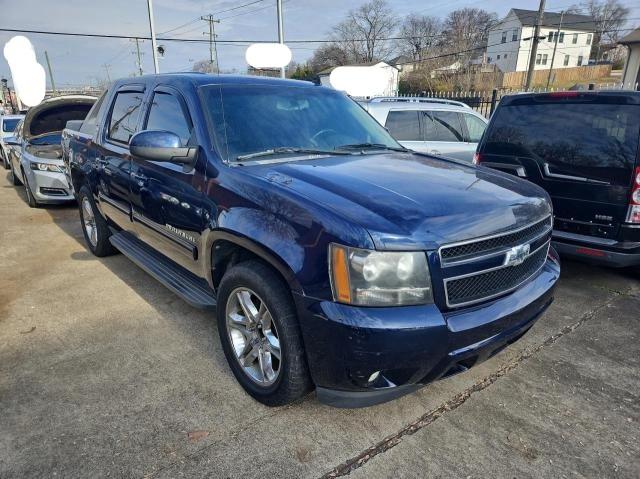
x,y
14,179
260,336
30,198
94,227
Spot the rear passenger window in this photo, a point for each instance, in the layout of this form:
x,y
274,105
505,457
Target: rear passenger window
x,y
90,123
404,125
442,126
475,127
166,114
124,116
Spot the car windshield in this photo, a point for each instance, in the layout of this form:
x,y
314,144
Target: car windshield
x,y
254,121
9,124
51,139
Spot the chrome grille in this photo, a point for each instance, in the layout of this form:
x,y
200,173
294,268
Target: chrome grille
x,y
470,249
489,284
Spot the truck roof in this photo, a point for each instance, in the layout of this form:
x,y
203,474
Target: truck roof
x,y
199,79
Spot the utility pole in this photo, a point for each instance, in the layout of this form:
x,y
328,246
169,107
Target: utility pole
x,y
106,69
154,45
555,47
53,83
280,31
138,55
534,45
213,48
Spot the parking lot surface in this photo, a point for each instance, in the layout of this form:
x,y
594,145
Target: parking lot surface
x,y
105,373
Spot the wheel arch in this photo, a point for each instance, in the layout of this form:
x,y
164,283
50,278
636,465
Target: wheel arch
x,y
226,248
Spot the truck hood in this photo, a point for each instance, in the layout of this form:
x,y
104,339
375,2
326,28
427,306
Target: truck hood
x,y
408,200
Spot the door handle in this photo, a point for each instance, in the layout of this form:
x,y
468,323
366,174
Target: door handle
x,y
139,177
435,152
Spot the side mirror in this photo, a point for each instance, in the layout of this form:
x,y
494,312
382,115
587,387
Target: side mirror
x,y
159,145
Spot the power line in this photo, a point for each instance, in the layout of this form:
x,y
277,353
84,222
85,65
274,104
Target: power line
x,y
200,40
238,7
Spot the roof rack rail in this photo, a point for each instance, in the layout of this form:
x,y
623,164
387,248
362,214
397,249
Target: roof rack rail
x,y
416,99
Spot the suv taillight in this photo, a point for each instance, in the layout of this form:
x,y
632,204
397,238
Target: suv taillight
x,y
633,216
477,158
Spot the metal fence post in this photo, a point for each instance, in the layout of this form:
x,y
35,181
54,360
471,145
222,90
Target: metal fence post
x,y
494,98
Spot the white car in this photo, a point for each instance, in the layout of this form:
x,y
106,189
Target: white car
x,y
430,125
8,125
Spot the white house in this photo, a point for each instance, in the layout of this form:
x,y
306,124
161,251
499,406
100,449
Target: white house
x,y
509,42
389,87
631,75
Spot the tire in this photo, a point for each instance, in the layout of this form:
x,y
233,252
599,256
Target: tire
x,y
261,284
95,229
5,160
14,179
30,198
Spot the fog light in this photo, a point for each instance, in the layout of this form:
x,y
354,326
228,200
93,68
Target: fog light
x,y
374,376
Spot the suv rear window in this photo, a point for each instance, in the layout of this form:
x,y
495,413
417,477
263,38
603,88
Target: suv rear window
x,y
585,139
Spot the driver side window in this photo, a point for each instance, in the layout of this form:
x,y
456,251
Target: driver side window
x,y
166,114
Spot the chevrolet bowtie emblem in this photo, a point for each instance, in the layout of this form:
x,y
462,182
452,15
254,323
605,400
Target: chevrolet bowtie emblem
x,y
517,255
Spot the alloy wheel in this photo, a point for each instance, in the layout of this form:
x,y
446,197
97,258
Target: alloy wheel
x,y
253,336
89,220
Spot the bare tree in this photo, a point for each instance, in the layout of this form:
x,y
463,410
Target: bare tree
x,y
361,35
328,55
466,31
203,66
609,15
418,35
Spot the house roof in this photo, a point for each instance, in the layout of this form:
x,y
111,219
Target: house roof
x,y
633,37
571,21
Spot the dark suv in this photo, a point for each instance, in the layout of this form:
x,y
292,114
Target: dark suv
x,y
583,148
333,256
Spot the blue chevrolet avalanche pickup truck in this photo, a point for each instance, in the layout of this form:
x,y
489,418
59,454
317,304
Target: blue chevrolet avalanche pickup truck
x,y
333,257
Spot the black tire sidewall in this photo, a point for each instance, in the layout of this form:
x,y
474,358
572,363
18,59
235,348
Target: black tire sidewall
x,y
293,380
31,200
103,246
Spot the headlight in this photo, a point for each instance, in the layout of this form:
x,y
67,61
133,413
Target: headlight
x,y
378,278
46,167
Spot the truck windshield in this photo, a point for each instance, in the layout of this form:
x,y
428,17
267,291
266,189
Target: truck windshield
x,y
253,121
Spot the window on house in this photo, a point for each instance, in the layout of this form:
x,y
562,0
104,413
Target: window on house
x,y
550,37
504,37
544,59
574,40
504,56
566,60
538,59
489,59
580,60
514,35
561,37
498,57
589,37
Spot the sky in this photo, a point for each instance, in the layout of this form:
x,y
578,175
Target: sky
x,y
79,61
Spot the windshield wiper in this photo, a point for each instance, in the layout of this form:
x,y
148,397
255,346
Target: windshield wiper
x,y
289,150
370,146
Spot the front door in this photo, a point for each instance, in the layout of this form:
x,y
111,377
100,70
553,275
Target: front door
x,y
167,203
113,160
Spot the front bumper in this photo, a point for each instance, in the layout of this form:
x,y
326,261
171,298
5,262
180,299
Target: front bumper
x,y
411,346
49,186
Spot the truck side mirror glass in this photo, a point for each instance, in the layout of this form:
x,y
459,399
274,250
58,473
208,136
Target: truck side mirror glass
x,y
159,145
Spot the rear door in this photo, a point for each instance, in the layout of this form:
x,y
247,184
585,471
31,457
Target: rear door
x,y
404,126
113,162
444,134
581,149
